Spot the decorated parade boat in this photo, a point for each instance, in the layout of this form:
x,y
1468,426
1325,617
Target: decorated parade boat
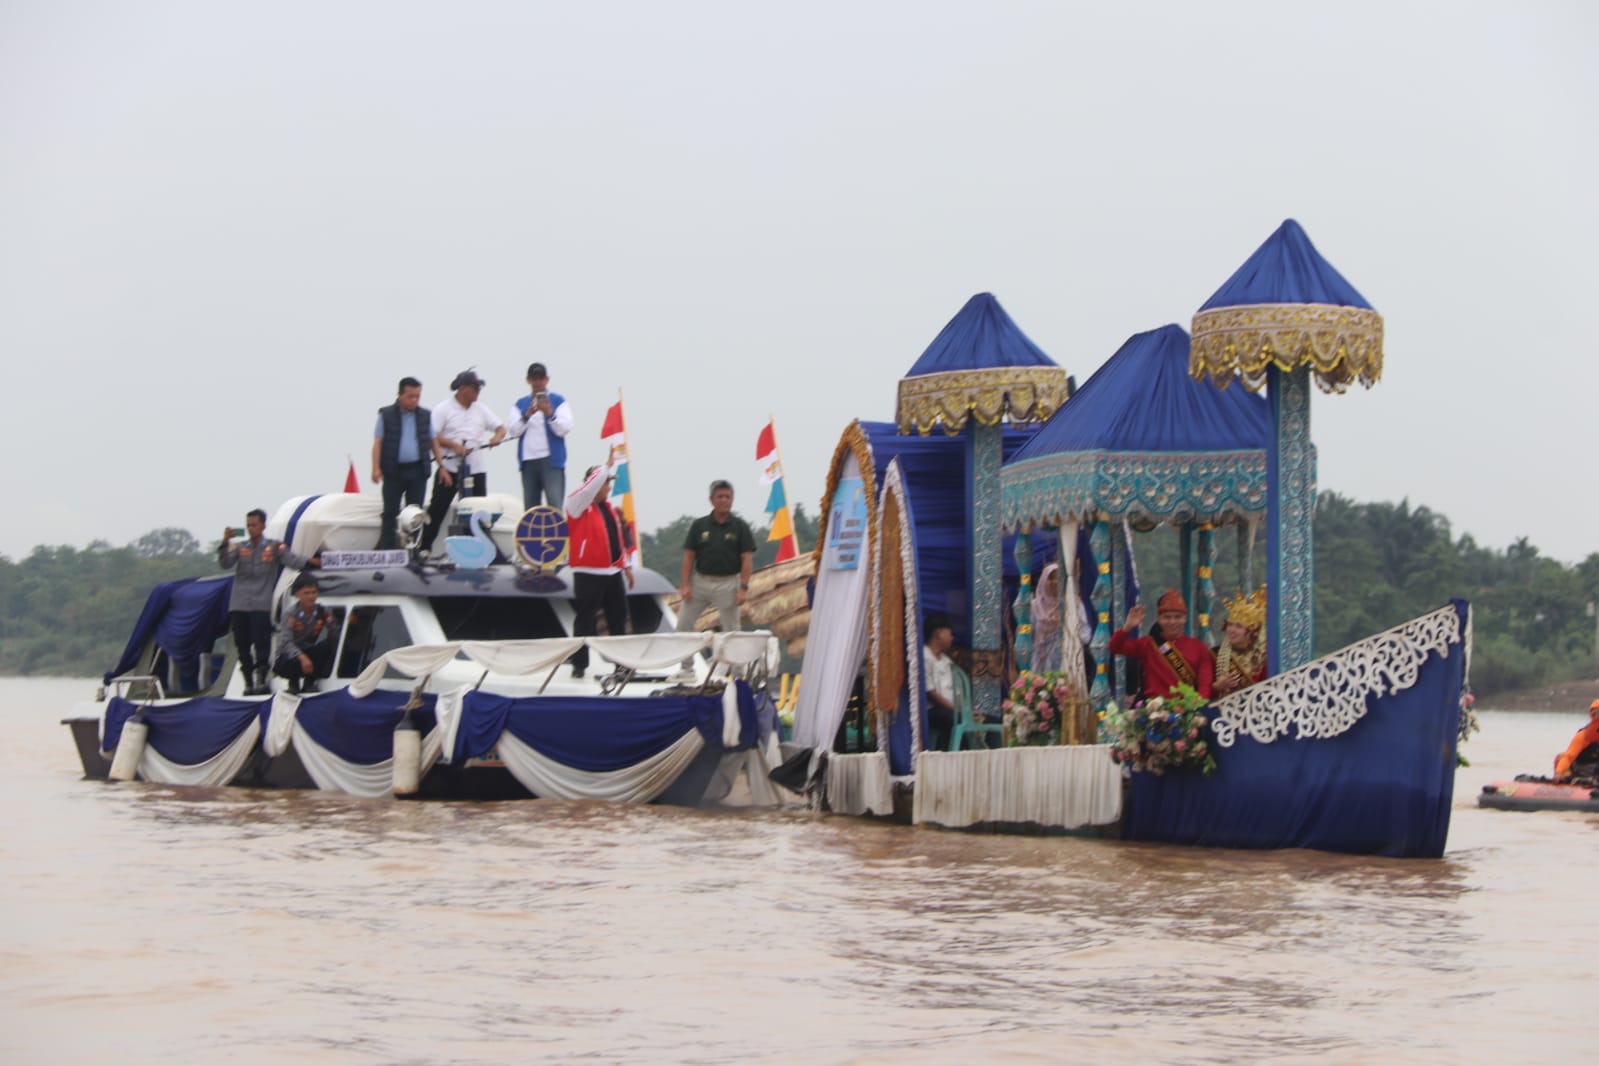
x,y
447,680
1354,751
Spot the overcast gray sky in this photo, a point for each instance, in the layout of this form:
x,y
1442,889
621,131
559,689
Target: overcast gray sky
x,y
226,229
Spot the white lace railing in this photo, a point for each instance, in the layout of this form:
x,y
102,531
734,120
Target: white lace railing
x,y
1327,696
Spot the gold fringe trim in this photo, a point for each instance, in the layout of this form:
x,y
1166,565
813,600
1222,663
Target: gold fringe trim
x,y
888,635
854,440
1339,344
951,398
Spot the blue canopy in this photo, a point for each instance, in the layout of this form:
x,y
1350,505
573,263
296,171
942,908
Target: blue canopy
x,y
1286,269
981,336
1142,439
183,617
1286,307
979,366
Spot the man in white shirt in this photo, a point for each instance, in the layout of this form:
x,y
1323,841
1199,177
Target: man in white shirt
x,y
541,421
464,429
938,677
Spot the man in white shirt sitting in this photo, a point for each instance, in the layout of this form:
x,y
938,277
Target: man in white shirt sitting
x,y
464,430
938,676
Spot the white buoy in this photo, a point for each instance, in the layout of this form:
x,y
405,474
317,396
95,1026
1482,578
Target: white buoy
x,y
407,761
130,749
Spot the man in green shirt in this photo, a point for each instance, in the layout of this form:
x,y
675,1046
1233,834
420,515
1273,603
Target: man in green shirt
x,y
718,555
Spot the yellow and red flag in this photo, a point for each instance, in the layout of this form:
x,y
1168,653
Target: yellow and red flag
x,y
771,464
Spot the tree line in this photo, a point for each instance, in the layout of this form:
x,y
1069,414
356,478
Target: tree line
x,y
68,611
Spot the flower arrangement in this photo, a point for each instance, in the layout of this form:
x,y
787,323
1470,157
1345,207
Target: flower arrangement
x,y
1165,733
1035,708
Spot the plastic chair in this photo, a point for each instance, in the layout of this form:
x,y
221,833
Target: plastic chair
x,y
965,721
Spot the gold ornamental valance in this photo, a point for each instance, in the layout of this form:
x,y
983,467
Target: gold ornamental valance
x,y
1339,344
949,398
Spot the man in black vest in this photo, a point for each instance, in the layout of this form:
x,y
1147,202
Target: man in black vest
x,y
401,446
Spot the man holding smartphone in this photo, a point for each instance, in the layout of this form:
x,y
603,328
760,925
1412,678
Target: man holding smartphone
x,y
255,562
541,421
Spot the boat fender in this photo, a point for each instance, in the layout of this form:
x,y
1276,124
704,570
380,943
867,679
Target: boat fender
x,y
130,749
407,757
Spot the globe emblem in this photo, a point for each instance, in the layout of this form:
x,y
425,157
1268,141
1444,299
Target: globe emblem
x,y
541,538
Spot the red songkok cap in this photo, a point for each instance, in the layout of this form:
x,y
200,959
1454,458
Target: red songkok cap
x,y
1171,600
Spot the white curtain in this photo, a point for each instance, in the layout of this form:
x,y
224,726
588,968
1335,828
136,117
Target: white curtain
x,y
860,784
1071,615
216,771
639,783
835,645
1063,787
649,651
331,773
505,657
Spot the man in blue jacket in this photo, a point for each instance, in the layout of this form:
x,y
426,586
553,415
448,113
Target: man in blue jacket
x,y
402,445
541,420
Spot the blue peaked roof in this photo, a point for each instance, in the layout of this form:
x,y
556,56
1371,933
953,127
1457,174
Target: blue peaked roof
x,y
1142,400
1286,269
1141,439
981,336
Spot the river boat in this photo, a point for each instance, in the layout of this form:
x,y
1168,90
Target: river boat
x,y
1529,792
447,681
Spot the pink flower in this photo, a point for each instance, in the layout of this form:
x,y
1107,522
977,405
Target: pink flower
x,y
1180,745
1049,712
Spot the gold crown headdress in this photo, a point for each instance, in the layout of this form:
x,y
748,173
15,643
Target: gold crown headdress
x,y
1249,610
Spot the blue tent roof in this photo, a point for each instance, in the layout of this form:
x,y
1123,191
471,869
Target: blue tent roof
x,y
981,336
1287,269
1141,439
1142,400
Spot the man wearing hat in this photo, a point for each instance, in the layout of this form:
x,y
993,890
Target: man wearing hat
x,y
1581,757
1168,655
541,421
307,636
464,429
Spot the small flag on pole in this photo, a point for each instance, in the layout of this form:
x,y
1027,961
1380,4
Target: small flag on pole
x,y
771,464
613,431
351,482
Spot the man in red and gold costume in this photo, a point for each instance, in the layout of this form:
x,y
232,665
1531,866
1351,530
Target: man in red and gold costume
x,y
1241,658
1168,655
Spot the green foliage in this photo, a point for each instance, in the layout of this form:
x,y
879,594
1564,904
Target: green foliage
x,y
68,611
1380,564
663,549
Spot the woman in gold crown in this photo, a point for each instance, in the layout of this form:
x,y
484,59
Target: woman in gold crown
x,y
1241,658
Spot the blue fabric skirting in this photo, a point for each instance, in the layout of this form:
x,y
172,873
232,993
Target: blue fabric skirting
x,y
360,730
1383,787
597,733
189,732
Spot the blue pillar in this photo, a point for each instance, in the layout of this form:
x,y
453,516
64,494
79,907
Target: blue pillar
x,y
1024,601
1205,584
1185,569
1118,605
987,568
1291,485
1099,686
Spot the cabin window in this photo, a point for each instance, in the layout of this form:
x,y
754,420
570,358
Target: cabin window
x,y
644,613
497,618
370,631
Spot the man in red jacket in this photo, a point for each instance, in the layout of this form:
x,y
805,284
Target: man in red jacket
x,y
1168,655
599,560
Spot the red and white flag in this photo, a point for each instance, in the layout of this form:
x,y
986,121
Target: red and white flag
x,y
613,431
